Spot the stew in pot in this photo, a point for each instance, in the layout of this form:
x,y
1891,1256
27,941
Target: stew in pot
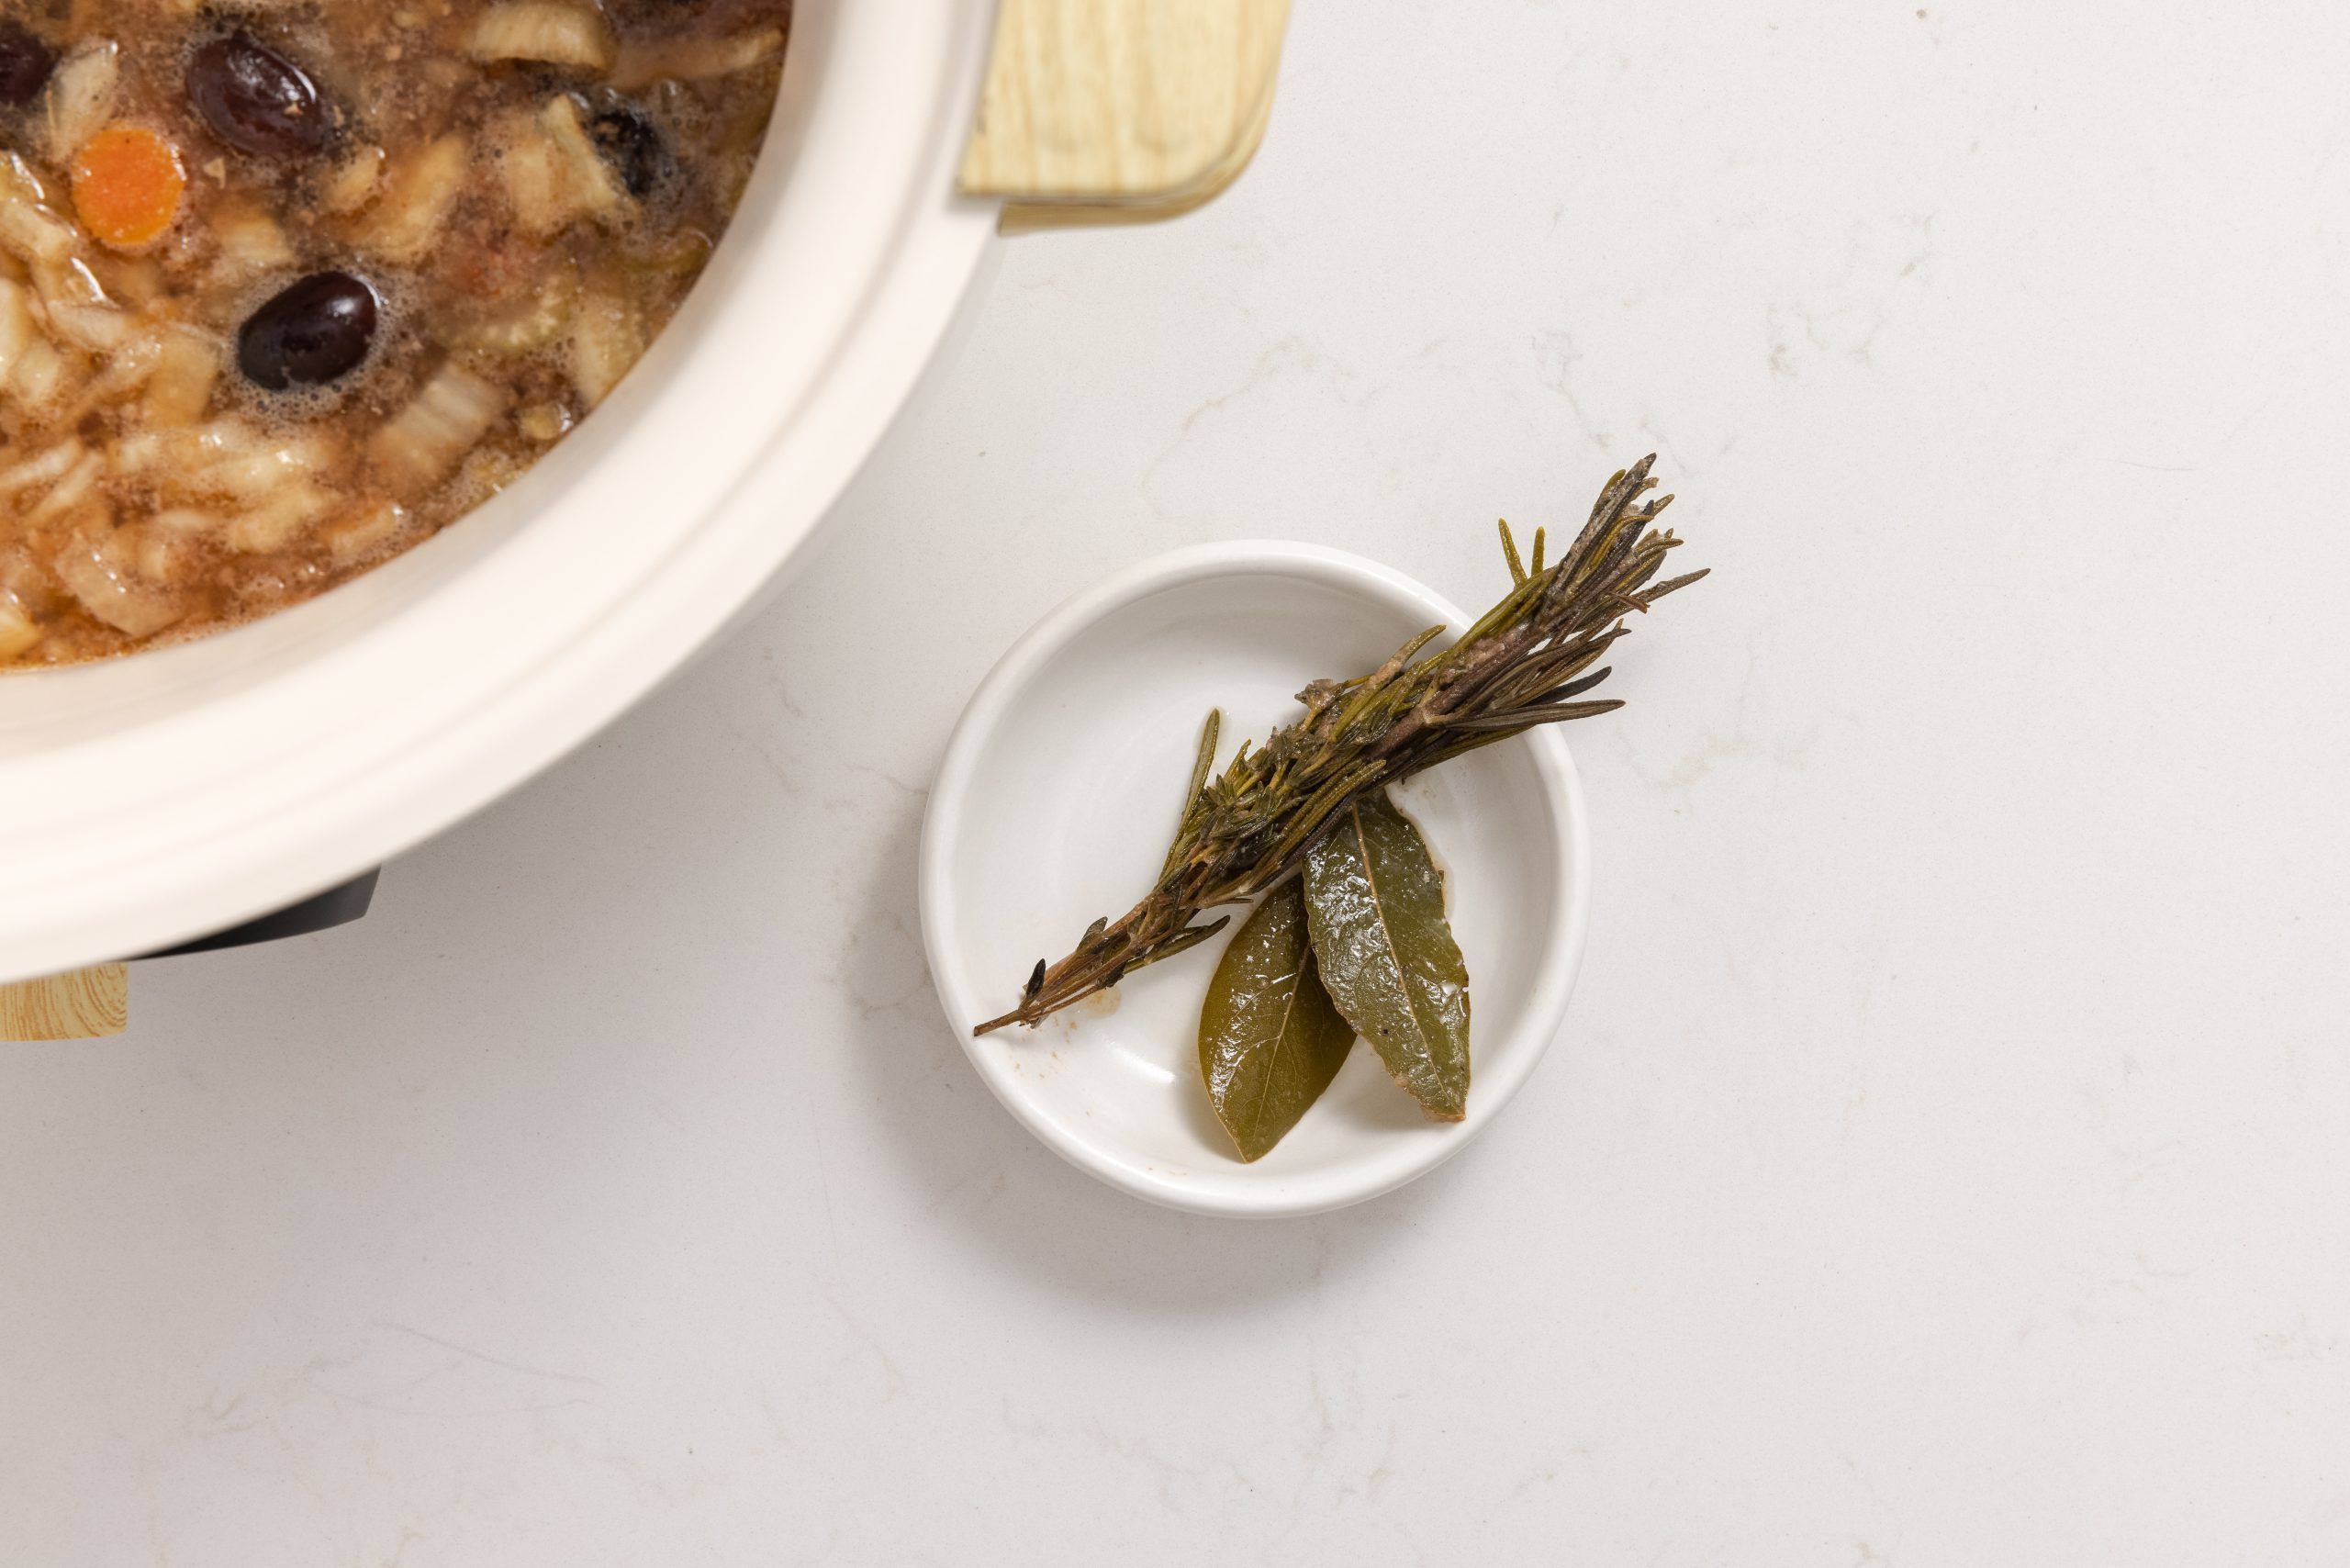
x,y
285,286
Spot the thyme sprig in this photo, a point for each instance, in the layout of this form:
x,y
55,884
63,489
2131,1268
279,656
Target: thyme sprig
x,y
1523,664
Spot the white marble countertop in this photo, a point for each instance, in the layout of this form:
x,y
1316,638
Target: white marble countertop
x,y
1947,1158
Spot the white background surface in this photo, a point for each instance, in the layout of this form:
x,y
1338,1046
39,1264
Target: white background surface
x,y
1947,1159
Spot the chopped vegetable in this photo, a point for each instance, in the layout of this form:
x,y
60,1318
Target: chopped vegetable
x,y
17,331
110,591
181,388
424,442
690,59
606,339
352,537
101,328
521,323
128,182
423,191
282,514
543,30
80,99
552,172
39,378
17,633
253,243
44,470
30,229
353,182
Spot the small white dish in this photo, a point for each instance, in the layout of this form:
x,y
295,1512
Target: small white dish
x,y
1054,804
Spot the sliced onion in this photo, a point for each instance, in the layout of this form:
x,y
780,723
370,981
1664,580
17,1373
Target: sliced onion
x,y
80,99
423,444
693,59
542,30
407,222
132,608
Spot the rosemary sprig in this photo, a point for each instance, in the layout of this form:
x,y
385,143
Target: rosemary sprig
x,y
1523,664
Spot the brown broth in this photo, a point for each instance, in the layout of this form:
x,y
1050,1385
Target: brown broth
x,y
150,489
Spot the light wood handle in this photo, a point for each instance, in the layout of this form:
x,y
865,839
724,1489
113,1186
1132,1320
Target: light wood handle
x,y
80,1005
1120,111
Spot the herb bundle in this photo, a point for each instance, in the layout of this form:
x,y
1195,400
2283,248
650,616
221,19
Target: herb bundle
x,y
1312,800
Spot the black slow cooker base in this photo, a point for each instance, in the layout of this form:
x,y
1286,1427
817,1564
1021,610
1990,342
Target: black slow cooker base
x,y
336,906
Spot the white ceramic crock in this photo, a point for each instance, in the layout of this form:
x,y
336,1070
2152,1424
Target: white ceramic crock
x,y
153,798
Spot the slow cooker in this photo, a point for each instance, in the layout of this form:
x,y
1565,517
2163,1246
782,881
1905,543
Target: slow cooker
x,y
164,798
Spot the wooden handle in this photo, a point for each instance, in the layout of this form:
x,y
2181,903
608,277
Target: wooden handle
x,y
1120,111
80,1005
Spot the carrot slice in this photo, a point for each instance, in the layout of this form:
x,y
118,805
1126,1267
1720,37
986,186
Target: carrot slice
x,y
128,183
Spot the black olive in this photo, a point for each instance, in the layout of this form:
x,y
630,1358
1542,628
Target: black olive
x,y
309,333
632,144
255,99
25,64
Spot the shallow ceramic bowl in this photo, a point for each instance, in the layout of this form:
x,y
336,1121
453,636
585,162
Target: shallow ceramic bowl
x,y
1054,804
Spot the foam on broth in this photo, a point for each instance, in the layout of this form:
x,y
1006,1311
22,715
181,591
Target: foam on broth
x,y
528,187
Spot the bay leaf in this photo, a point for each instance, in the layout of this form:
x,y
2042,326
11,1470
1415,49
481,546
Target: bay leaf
x,y
1270,1040
1374,904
